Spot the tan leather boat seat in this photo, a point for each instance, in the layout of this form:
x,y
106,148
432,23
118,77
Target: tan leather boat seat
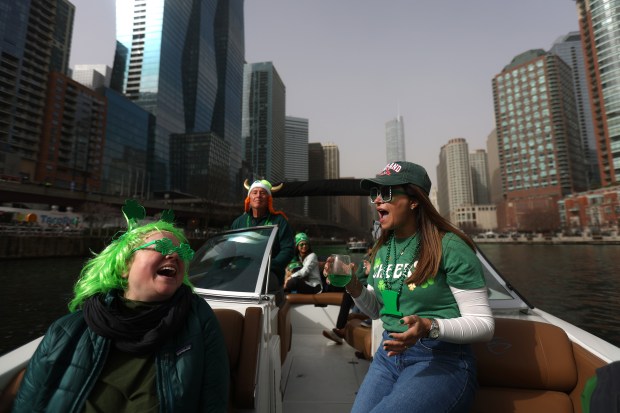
x,y
242,335
527,367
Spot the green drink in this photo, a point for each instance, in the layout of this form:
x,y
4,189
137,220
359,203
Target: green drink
x,y
339,280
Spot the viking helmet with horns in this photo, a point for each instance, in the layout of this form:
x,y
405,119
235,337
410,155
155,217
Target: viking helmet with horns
x,y
266,185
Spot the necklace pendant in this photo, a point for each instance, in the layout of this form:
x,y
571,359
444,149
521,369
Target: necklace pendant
x,y
381,285
390,303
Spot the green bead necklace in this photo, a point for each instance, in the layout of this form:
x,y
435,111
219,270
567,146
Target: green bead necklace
x,y
389,294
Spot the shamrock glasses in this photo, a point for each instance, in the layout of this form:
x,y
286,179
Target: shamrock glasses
x,y
165,247
385,192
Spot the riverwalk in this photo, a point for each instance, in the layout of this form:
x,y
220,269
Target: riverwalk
x,y
548,239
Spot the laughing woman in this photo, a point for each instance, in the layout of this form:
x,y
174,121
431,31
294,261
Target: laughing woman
x,y
427,287
137,338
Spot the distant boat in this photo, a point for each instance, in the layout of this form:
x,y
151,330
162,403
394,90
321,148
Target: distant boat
x,y
355,245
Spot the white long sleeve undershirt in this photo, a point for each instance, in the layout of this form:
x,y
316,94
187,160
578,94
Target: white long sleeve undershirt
x,y
476,322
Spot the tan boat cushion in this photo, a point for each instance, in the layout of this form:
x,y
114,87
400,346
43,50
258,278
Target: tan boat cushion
x,y
527,367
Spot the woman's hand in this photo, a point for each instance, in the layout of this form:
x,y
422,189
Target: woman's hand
x,y
418,328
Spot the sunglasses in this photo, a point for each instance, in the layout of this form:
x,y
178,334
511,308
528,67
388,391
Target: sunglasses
x,y
165,247
302,244
385,192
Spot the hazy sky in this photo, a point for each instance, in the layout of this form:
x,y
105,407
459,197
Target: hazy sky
x,y
349,66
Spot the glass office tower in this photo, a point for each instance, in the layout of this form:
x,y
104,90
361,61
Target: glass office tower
x,y
185,57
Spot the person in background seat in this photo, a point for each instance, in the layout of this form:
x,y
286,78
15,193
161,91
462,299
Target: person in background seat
x,y
305,279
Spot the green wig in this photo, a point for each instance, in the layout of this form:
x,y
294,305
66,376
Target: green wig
x,y
104,272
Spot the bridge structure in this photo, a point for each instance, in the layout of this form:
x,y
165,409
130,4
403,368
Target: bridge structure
x,y
193,214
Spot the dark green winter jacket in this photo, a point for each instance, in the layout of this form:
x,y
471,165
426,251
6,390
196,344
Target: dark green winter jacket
x,y
192,373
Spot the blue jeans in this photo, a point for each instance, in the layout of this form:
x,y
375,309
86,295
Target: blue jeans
x,y
432,376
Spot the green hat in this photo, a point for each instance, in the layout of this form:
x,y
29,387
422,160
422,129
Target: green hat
x,y
301,236
400,173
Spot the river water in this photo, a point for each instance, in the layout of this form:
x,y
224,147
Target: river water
x,y
578,283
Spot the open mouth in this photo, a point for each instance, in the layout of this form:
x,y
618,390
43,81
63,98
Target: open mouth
x,y
382,213
167,271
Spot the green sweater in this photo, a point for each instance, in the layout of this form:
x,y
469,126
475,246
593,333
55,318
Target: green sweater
x,y
459,267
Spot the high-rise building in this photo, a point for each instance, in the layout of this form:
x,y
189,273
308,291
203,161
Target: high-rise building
x,y
539,145
128,129
35,41
395,140
599,24
454,183
71,143
332,161
183,59
92,76
332,171
199,165
495,178
264,108
569,48
317,205
230,55
480,176
296,159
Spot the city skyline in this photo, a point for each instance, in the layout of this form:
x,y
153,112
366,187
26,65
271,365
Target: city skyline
x,y
435,62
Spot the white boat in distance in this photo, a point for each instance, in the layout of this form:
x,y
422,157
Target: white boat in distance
x,y
354,245
280,362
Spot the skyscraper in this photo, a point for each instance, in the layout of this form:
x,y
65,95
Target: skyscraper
x,y
178,71
454,182
539,146
395,140
599,24
332,171
495,178
92,76
36,40
569,48
296,159
480,176
264,103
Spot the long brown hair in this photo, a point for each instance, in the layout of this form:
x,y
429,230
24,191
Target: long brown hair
x,y
432,227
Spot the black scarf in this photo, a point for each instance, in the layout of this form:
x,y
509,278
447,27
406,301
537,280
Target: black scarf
x,y
137,332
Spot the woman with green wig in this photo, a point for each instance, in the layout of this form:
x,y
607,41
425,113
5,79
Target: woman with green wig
x,y
137,338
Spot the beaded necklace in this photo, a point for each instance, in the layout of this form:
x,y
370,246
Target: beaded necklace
x,y
390,295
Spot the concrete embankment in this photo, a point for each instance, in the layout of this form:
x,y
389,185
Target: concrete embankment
x,y
603,240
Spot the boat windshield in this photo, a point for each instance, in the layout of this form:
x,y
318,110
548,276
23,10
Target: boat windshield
x,y
233,263
502,296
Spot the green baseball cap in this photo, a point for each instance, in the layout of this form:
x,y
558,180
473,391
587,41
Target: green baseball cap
x,y
400,173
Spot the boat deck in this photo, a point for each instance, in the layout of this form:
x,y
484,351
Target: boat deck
x,y
320,375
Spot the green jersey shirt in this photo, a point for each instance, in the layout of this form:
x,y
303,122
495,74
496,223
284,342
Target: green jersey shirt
x,y
459,268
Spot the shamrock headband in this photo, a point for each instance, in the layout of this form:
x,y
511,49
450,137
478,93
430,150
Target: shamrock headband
x,y
264,184
134,212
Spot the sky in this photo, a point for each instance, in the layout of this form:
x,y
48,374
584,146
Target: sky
x,y
349,66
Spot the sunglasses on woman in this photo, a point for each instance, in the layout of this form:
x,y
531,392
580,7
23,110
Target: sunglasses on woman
x,y
165,246
385,192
